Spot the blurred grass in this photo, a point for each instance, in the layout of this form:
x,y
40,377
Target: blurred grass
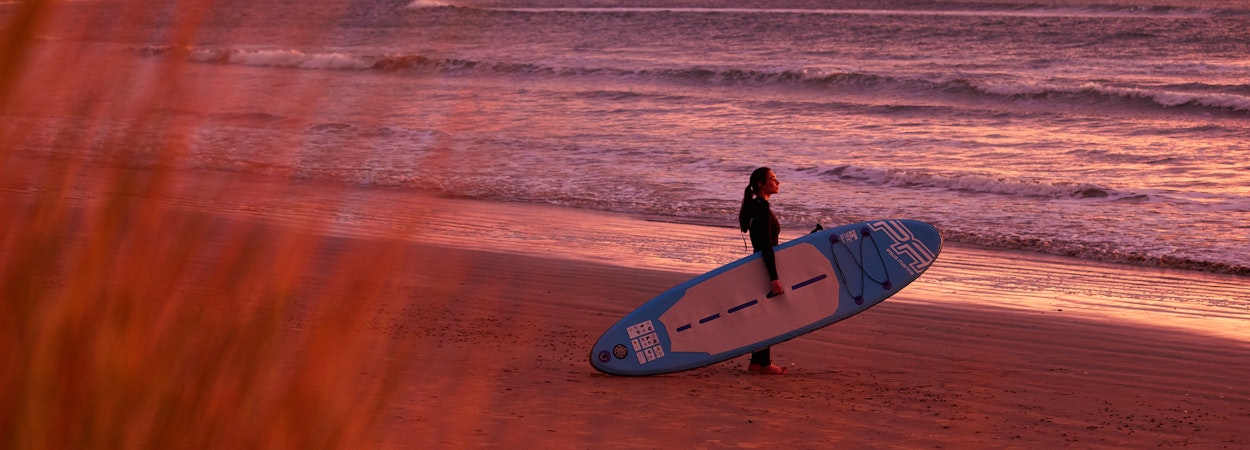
x,y
128,323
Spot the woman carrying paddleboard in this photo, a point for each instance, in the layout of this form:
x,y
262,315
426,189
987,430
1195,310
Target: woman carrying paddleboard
x,y
756,218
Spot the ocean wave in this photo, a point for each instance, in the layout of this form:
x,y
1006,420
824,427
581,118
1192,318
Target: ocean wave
x,y
1166,98
1103,252
896,9
973,184
282,58
1207,97
430,4
1087,92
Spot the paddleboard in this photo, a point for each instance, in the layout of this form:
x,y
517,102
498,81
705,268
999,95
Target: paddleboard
x,y
829,275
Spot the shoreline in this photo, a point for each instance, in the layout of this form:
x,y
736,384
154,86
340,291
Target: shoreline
x,y
712,245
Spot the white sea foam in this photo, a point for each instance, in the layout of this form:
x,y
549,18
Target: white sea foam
x,y
984,12
430,4
298,59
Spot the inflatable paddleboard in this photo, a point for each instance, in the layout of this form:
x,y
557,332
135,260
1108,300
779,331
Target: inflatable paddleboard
x,y
829,275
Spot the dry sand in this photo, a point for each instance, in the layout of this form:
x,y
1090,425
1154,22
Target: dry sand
x,y
987,350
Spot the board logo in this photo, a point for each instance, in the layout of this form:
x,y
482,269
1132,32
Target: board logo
x,y
646,342
907,251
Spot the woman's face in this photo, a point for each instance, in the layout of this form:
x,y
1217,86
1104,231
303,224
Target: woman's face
x,y
770,185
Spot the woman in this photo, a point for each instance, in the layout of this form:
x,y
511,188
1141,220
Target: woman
x,y
756,217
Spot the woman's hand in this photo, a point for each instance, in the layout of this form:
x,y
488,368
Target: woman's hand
x,y
776,288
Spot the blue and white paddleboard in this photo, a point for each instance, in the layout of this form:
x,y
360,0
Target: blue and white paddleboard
x,y
829,276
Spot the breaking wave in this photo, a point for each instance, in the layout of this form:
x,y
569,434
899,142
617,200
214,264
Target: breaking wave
x,y
971,183
1205,97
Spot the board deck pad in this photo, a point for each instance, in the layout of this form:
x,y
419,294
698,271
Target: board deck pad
x,y
829,276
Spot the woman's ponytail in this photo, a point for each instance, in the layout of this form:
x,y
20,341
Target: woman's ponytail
x,y
758,177
744,217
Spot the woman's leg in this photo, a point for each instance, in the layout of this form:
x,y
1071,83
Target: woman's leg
x,y
762,357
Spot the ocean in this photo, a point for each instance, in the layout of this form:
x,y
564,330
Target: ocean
x,y
1117,131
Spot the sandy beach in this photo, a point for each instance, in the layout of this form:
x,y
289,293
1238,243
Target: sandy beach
x,y
481,343
918,371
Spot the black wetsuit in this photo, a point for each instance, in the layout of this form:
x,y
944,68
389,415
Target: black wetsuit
x,y
765,231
